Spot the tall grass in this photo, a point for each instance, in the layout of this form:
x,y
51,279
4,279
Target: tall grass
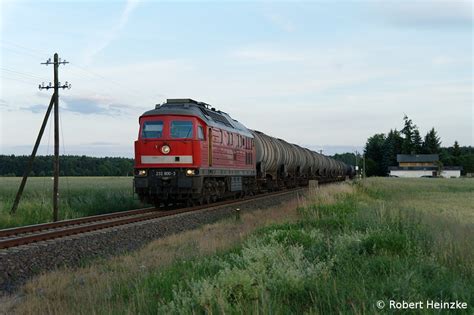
x,y
349,250
346,247
78,196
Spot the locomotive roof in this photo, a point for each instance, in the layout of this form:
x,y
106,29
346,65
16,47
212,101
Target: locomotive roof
x,y
210,115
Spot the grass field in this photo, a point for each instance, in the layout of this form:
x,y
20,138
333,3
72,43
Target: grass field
x,y
339,251
78,196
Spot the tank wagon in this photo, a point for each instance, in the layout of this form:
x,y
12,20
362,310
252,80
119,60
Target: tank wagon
x,y
187,151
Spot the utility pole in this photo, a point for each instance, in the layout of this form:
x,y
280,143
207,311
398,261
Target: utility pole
x,y
32,157
357,164
364,167
54,101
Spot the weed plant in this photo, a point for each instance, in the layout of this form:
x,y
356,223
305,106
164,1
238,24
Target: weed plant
x,y
348,251
78,196
346,247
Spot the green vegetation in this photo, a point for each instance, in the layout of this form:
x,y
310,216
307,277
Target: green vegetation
x,y
340,257
71,165
381,150
349,246
79,196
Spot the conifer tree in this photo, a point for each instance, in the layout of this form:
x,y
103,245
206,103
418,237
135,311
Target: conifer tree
x,y
417,142
456,149
407,131
391,147
432,142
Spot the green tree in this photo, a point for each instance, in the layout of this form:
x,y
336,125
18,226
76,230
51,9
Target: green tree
x,y
417,142
391,147
348,158
407,131
432,143
456,149
70,165
374,152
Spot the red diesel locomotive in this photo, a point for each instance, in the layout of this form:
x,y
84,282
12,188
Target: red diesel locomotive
x,y
189,152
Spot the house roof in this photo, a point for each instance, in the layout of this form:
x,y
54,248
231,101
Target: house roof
x,y
401,158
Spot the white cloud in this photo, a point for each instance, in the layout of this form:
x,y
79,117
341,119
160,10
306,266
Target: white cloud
x,y
114,32
280,21
427,13
443,61
267,55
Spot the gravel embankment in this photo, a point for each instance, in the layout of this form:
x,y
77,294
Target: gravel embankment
x,y
21,263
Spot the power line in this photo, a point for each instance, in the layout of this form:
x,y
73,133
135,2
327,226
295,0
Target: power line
x,y
30,51
123,87
22,80
24,74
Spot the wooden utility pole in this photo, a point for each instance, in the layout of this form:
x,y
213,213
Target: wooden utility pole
x,y
54,101
56,139
365,174
32,157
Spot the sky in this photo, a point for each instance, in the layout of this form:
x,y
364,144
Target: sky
x,y
322,74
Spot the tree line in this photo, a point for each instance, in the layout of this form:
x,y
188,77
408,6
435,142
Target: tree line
x,y
70,165
381,150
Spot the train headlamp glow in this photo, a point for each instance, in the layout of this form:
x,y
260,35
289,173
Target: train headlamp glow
x,y
165,149
141,173
190,172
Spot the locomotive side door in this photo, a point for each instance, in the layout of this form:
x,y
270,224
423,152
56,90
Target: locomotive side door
x,y
210,140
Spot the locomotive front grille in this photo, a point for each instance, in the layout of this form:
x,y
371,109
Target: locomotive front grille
x,y
162,177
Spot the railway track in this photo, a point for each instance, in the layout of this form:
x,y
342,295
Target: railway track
x,y
10,238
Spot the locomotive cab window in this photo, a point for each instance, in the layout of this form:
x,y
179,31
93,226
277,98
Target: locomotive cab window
x,y
200,133
181,129
152,129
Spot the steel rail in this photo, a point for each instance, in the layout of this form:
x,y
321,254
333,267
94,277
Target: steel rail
x,y
63,223
28,239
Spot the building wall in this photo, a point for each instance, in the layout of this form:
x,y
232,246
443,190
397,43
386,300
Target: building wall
x,y
420,173
405,164
412,173
451,173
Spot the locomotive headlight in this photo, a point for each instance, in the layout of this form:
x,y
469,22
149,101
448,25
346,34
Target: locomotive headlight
x,y
165,149
141,172
190,172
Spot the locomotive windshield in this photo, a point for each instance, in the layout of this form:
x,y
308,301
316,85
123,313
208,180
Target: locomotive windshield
x,y
181,129
152,129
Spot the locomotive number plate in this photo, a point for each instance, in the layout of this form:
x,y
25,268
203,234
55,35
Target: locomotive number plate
x,y
165,173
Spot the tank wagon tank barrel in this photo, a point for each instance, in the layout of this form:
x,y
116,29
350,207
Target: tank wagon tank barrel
x,y
278,158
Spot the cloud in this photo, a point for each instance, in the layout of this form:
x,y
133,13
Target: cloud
x,y
35,109
85,106
280,21
114,32
430,14
95,105
267,55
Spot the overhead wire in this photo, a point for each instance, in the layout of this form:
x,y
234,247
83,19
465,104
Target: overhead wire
x,y
31,50
22,80
23,74
123,88
20,49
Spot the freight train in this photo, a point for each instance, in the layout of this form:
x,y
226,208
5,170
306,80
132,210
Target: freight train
x,y
187,151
